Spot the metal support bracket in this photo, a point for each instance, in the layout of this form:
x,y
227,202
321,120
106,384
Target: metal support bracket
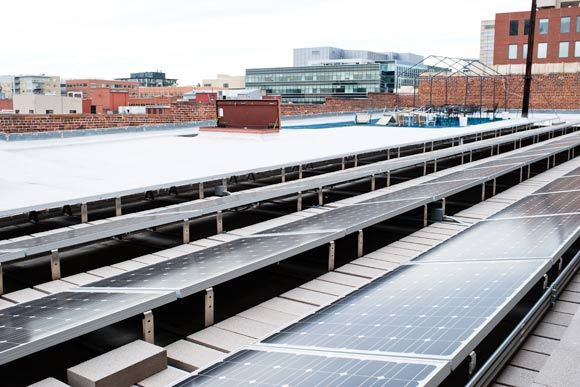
x,y
283,175
320,197
546,280
425,215
472,363
373,183
299,202
220,222
55,265
300,172
148,327
360,245
331,255
84,213
355,161
482,192
201,191
118,207
209,314
186,238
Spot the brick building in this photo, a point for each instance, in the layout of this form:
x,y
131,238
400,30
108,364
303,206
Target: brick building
x,y
105,95
557,37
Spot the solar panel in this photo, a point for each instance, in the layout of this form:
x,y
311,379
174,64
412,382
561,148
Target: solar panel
x,y
503,162
568,183
431,189
522,238
95,232
479,173
544,204
199,270
575,172
29,327
349,218
418,310
268,368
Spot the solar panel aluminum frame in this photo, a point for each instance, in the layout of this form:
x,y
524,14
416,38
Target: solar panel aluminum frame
x,y
435,378
461,353
110,195
86,327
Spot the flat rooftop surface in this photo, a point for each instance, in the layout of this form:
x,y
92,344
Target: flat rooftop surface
x,y
44,172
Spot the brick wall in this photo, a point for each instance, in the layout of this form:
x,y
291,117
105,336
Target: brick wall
x,y
335,105
549,91
181,112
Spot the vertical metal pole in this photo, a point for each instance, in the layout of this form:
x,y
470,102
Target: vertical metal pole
x,y
320,197
343,164
399,152
470,156
225,183
482,192
331,256
529,170
355,161
425,215
444,204
389,154
521,174
388,178
148,327
1,280
283,175
300,171
84,213
299,204
186,238
529,60
424,168
118,207
494,187
373,183
209,309
219,222
360,246
201,191
435,166
55,264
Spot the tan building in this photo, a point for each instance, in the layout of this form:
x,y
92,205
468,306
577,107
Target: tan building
x,y
226,82
6,86
486,44
48,104
37,84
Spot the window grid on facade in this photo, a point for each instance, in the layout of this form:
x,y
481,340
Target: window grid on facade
x,y
565,24
542,50
513,51
563,50
514,24
543,27
577,49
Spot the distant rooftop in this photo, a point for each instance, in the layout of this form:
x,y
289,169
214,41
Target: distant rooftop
x,y
312,56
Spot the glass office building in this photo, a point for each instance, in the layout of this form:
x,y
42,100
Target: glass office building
x,y
312,84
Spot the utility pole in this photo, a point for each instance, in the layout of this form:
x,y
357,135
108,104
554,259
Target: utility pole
x,y
529,59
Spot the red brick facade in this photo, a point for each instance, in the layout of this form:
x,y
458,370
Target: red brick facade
x,y
503,39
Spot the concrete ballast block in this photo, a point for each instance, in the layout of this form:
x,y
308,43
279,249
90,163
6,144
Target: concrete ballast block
x,y
120,367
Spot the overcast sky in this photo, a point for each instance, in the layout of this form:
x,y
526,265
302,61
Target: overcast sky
x,y
193,39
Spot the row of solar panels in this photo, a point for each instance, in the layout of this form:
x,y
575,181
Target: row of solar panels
x,y
415,325
32,326
66,237
498,127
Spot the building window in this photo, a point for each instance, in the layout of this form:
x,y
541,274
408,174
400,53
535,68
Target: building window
x,y
513,51
577,23
542,50
565,25
543,27
524,51
527,27
31,111
226,85
564,49
514,24
72,111
577,49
